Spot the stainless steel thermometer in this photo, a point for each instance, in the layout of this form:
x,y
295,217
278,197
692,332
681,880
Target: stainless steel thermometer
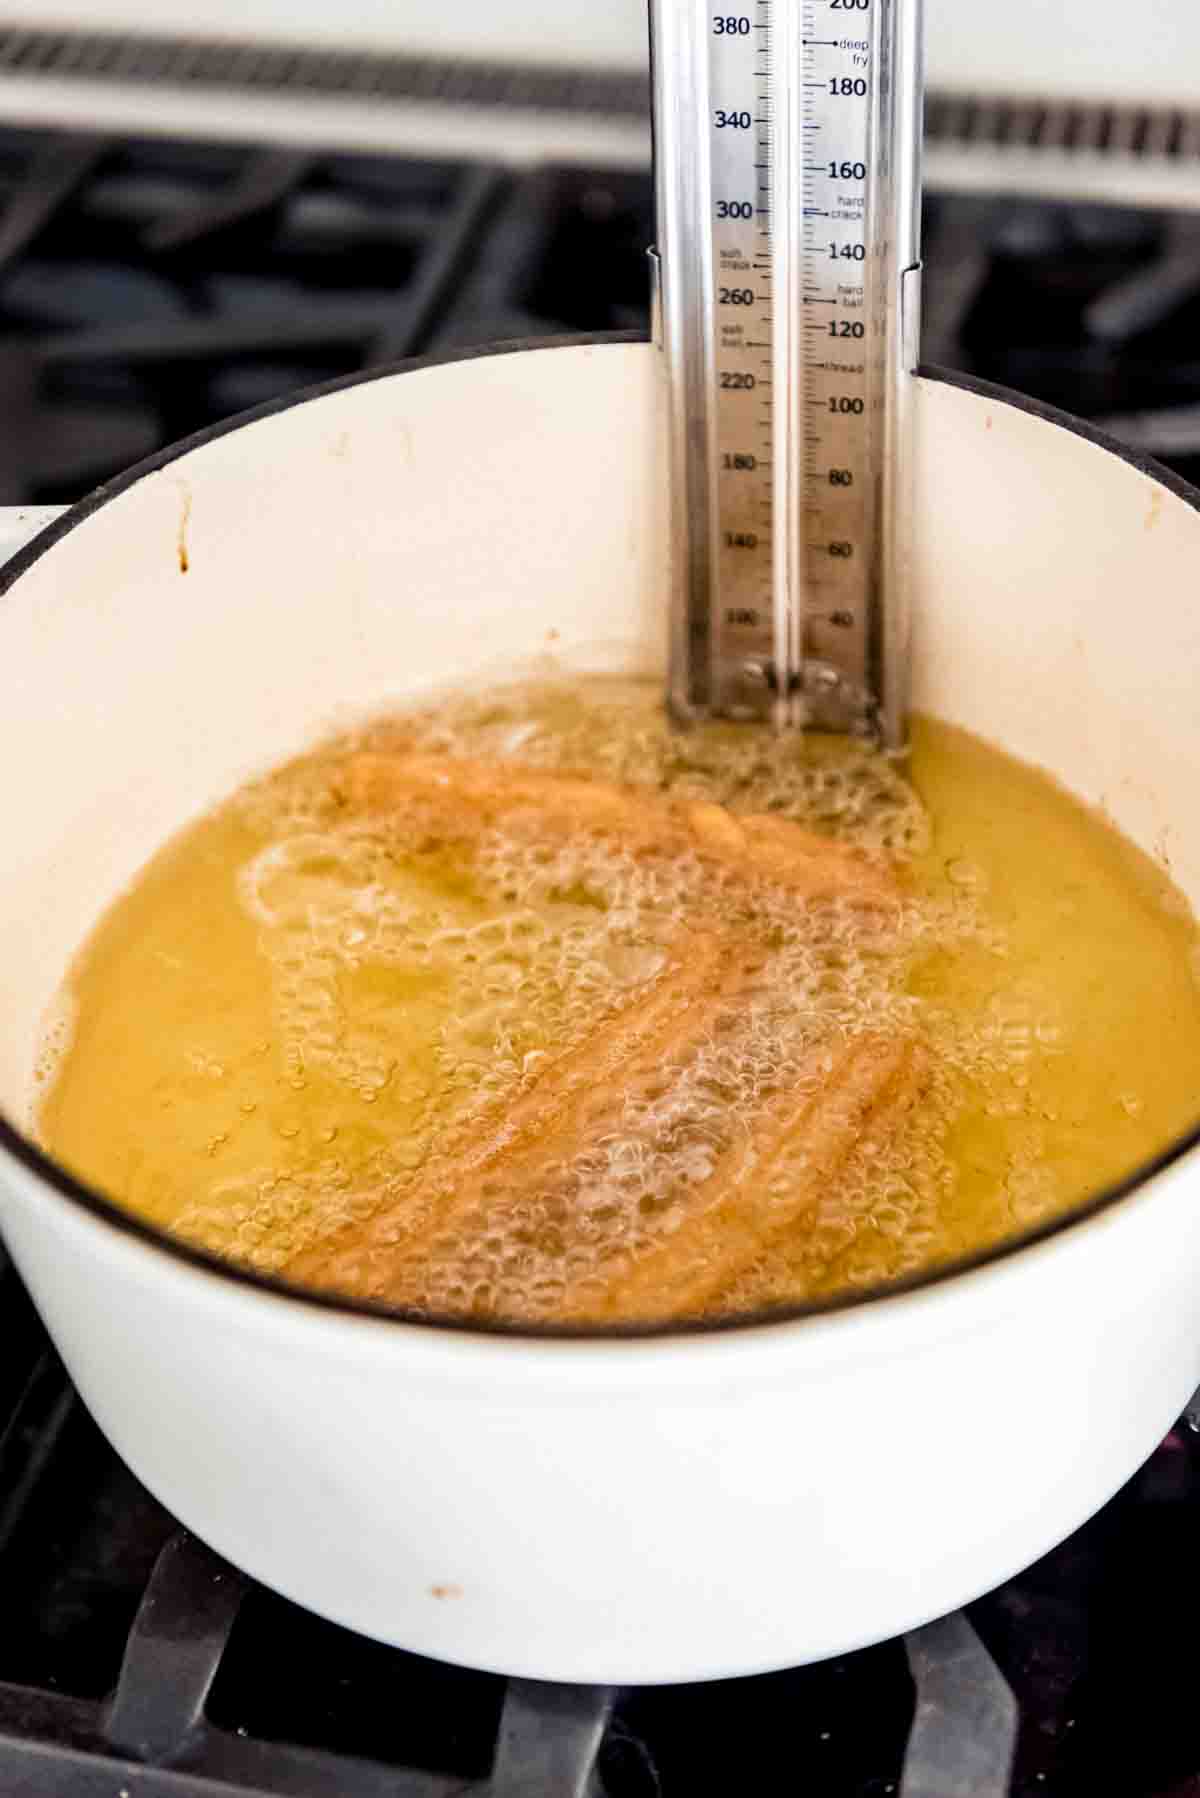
x,y
787,152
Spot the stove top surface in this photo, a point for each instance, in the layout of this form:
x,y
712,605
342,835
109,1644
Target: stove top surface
x,y
133,1659
148,289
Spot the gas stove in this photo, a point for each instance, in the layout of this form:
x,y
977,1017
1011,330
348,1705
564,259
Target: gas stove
x,y
149,288
135,1663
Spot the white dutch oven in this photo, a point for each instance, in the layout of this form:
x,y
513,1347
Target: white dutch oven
x,y
661,1508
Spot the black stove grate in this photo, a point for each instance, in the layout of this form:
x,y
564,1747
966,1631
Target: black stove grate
x,y
134,1660
149,288
1094,309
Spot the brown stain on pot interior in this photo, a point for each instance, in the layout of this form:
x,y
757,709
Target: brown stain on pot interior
x,y
446,1589
185,518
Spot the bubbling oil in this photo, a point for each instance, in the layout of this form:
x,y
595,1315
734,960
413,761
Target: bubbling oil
x,y
305,1015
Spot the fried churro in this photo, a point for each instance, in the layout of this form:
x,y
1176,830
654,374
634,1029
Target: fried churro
x,y
857,1095
577,1094
760,1188
456,799
527,1153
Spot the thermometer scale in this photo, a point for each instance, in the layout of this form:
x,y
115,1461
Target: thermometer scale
x,y
787,151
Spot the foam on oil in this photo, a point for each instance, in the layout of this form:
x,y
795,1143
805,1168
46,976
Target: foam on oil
x,y
298,1008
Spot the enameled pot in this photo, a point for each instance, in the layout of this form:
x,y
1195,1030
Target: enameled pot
x,y
673,1506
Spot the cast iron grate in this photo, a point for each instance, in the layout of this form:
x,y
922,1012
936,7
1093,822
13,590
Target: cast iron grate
x,y
134,1661
150,288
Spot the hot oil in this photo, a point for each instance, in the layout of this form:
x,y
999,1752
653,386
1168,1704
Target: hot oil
x,y
305,1017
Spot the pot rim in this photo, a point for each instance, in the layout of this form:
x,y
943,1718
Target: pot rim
x,y
16,1146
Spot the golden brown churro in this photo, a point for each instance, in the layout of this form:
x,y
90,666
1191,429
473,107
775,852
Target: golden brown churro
x,y
859,1092
461,798
661,1021
522,1155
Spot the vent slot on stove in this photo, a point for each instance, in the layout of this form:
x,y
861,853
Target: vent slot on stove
x,y
1049,147
255,69
981,121
1146,155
